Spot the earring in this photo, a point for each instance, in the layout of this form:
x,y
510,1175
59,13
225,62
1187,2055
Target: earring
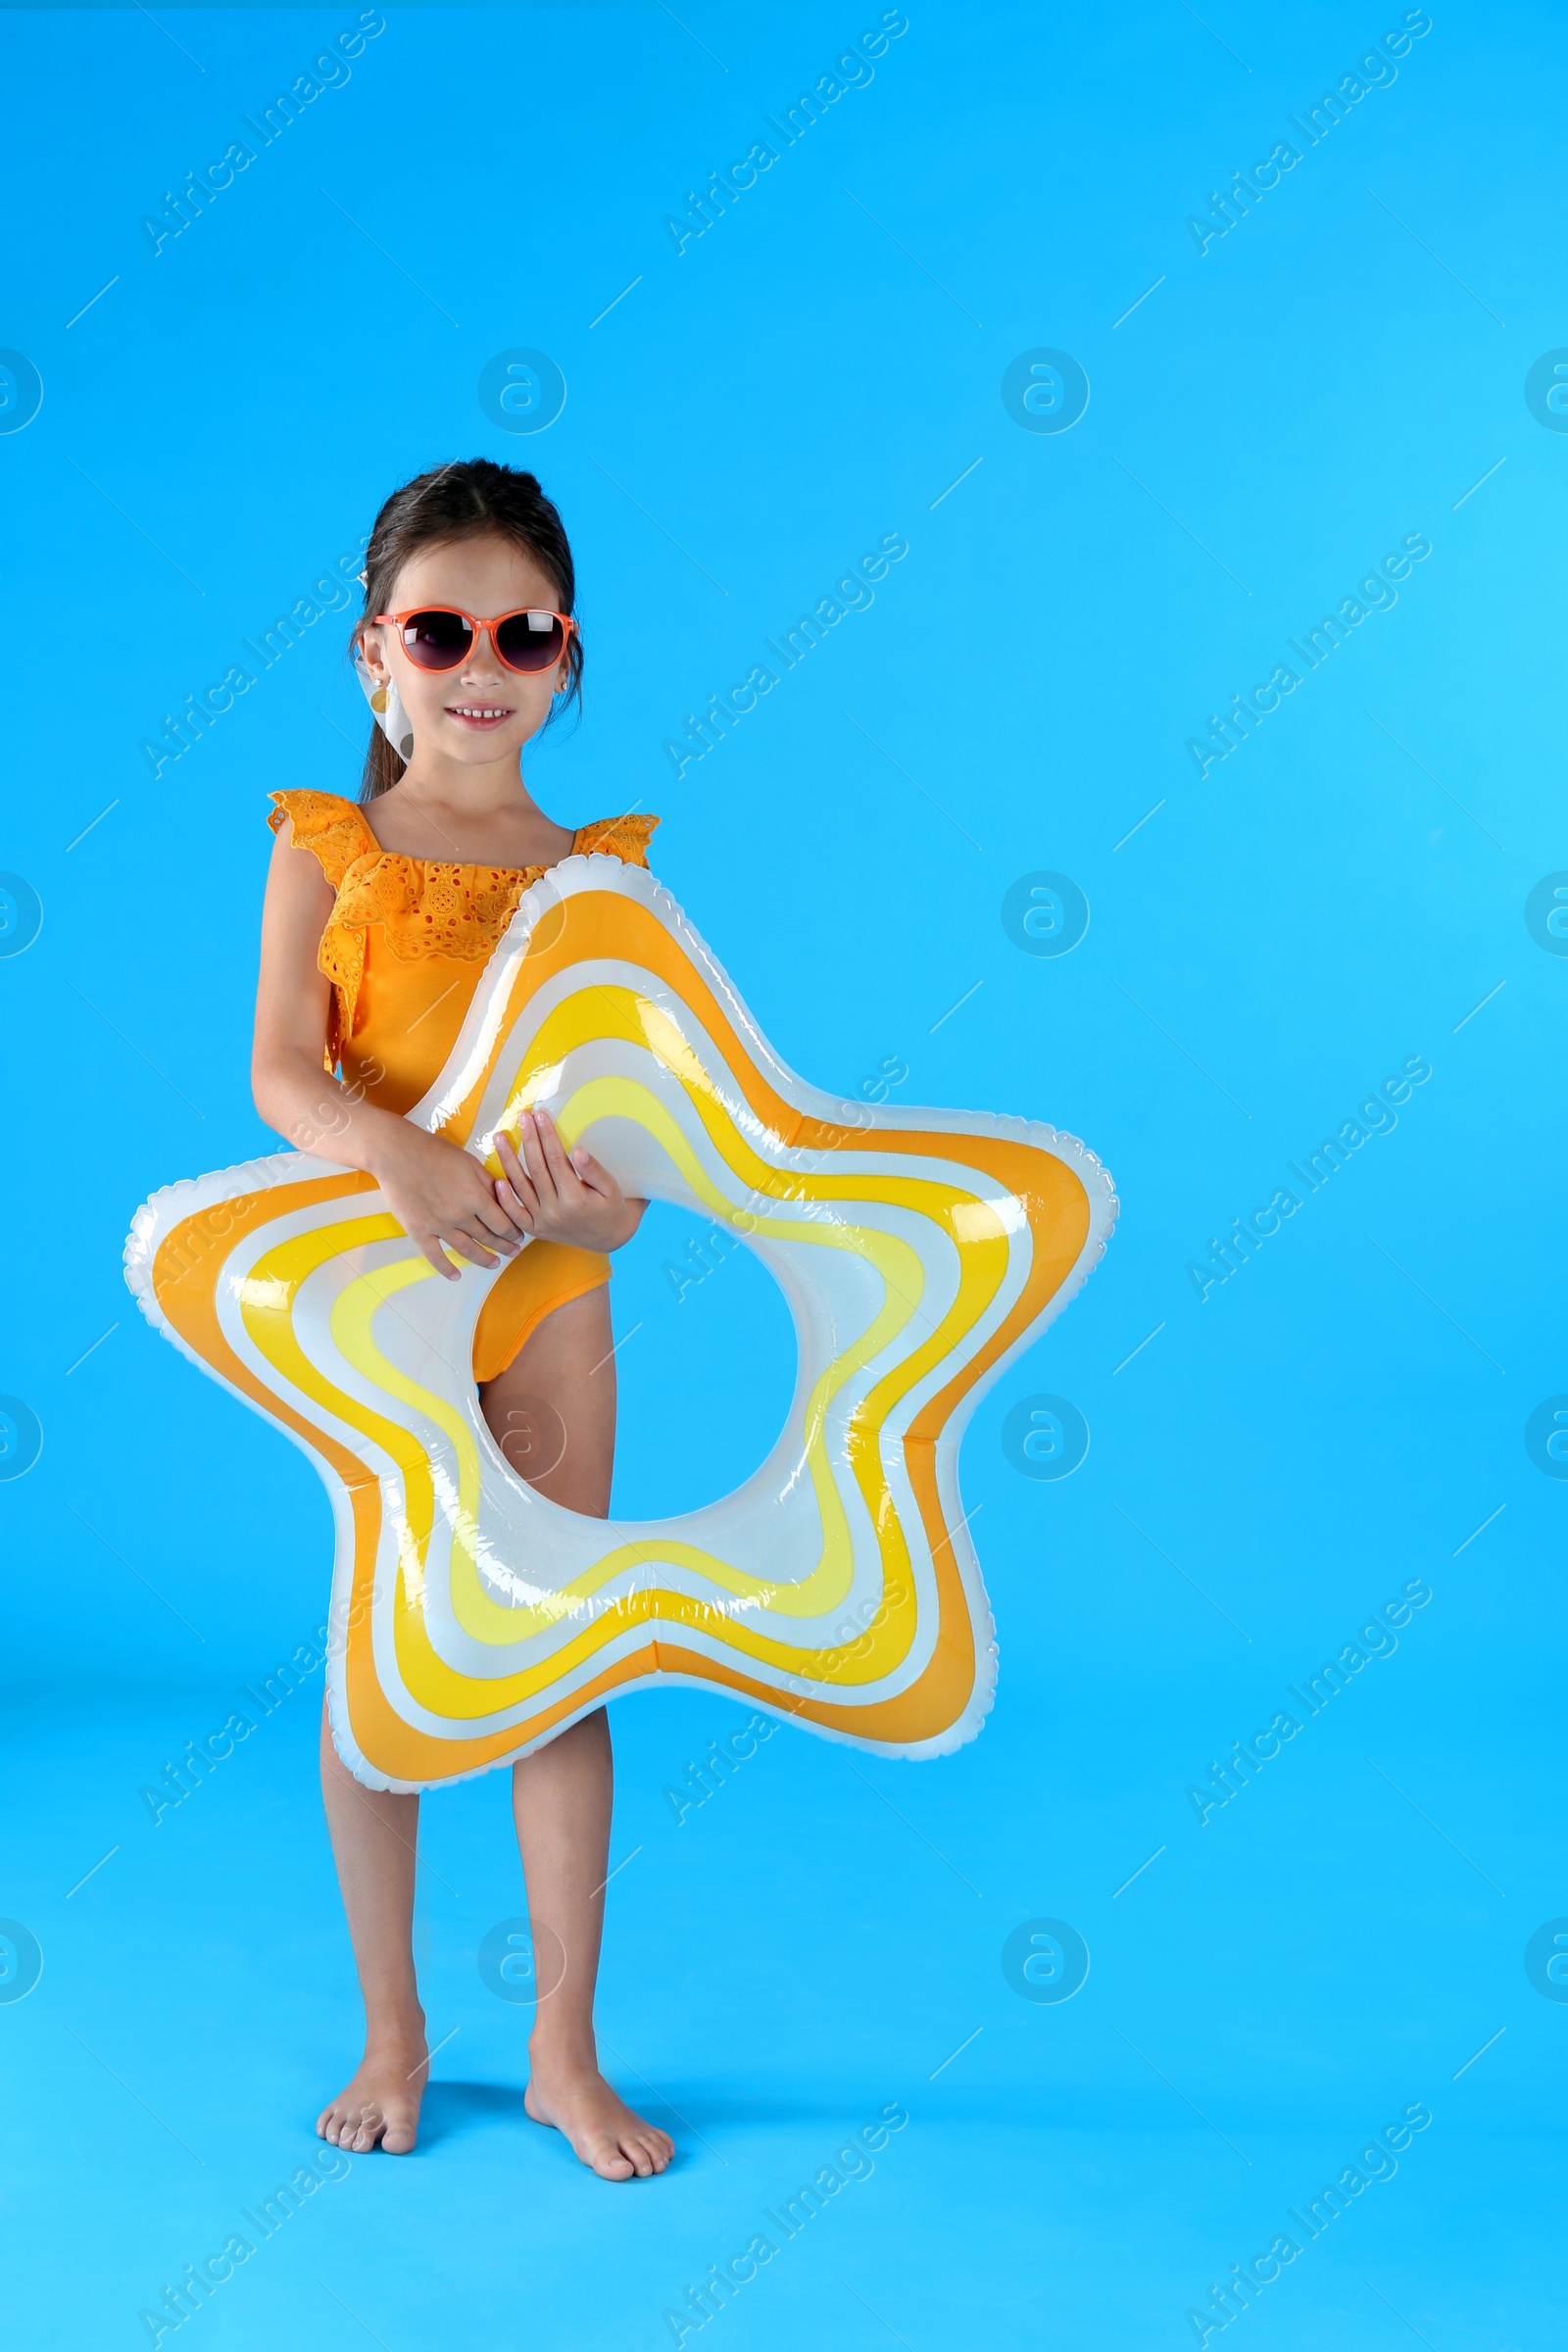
x,y
384,700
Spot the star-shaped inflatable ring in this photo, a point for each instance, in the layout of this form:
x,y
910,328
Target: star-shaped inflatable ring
x,y
919,1253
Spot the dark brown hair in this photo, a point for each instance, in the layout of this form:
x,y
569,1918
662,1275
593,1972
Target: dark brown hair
x,y
462,500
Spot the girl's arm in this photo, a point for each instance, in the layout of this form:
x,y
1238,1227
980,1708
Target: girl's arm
x,y
439,1195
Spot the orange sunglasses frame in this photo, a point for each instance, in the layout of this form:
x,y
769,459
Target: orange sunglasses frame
x,y
399,620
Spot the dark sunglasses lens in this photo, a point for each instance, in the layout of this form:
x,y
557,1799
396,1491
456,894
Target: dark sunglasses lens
x,y
530,640
437,640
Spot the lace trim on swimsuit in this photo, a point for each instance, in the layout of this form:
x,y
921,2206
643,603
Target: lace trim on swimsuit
x,y
424,906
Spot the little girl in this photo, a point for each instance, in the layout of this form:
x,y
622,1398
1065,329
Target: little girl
x,y
378,921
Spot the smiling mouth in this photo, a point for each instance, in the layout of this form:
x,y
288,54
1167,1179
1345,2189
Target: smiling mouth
x,y
477,715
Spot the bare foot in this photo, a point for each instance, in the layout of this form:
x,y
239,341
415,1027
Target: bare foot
x,y
604,2134
382,2102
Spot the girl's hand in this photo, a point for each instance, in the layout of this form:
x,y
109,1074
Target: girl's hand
x,y
557,1198
443,1200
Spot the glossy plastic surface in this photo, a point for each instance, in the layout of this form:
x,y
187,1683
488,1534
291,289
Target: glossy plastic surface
x,y
919,1251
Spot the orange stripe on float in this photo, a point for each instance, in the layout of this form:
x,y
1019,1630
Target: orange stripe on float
x,y
187,1294
1057,1210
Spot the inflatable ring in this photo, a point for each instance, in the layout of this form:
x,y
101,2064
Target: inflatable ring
x,y
919,1253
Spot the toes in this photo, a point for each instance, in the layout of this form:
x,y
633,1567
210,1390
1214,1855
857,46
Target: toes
x,y
614,2165
644,2149
355,2122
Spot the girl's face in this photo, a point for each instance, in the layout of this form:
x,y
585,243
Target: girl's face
x,y
481,712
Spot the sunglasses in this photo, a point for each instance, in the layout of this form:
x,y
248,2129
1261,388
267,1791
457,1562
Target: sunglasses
x,y
435,638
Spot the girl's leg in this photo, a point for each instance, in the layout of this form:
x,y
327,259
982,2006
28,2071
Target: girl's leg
x,y
374,1834
553,1413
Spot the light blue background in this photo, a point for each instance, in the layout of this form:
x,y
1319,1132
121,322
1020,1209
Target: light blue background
x,y
1340,1418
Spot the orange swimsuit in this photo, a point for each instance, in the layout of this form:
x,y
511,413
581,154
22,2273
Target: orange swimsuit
x,y
404,947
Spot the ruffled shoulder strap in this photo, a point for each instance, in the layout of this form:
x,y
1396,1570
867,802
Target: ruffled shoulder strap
x,y
328,825
622,837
